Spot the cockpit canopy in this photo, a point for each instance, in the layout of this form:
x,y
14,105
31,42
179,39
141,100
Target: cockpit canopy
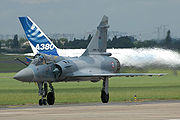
x,y
40,59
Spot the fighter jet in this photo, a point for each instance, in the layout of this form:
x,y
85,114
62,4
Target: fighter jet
x,y
93,65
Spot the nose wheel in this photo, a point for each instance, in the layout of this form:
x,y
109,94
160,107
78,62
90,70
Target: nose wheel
x,y
43,92
50,98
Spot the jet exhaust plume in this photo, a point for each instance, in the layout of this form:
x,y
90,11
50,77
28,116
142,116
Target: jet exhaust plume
x,y
144,57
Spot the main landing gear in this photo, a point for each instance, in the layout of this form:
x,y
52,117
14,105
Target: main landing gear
x,y
104,91
43,92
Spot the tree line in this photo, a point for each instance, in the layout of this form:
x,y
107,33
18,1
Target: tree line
x,y
21,45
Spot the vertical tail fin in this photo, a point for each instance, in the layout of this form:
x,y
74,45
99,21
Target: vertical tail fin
x,y
98,44
39,42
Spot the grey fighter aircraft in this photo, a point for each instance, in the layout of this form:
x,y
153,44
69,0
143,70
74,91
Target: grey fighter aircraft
x,y
93,65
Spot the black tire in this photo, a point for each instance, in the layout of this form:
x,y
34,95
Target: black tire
x,y
104,97
44,102
40,102
50,98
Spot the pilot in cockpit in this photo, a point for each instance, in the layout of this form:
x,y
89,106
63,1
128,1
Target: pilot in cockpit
x,y
38,60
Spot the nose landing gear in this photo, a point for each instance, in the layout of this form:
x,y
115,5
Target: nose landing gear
x,y
43,92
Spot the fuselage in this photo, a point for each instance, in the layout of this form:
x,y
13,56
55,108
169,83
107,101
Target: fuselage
x,y
59,69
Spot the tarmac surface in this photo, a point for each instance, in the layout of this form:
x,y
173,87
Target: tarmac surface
x,y
168,110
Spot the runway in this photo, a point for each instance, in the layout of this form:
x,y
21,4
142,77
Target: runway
x,y
96,111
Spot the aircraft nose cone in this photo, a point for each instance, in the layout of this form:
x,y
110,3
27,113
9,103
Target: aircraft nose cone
x,y
25,75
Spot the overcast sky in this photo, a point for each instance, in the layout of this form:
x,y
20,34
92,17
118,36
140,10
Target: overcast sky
x,y
79,16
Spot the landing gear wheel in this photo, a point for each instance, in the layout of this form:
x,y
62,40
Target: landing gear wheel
x,y
44,102
50,98
104,97
40,102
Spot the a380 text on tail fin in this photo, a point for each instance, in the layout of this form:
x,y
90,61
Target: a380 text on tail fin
x,y
39,42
